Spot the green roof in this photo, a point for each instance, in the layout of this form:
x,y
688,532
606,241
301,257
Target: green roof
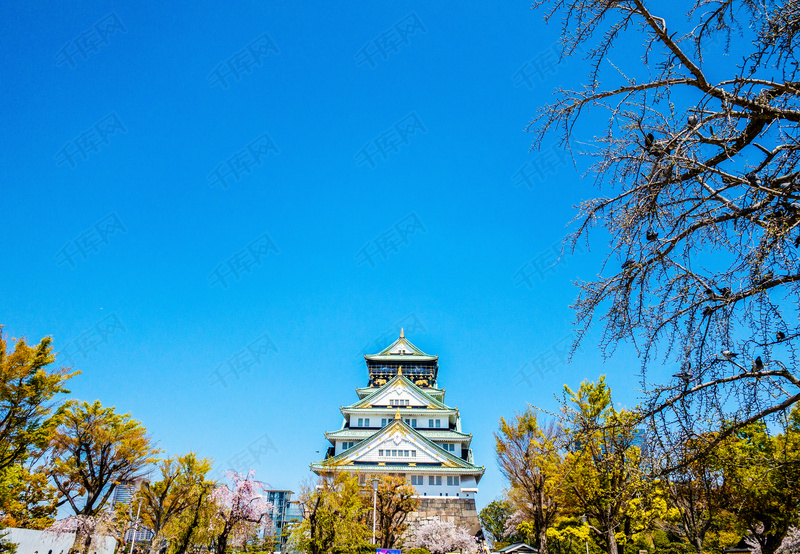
x,y
366,400
433,434
335,461
395,468
393,352
363,392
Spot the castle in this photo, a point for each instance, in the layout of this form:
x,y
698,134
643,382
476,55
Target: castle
x,y
400,425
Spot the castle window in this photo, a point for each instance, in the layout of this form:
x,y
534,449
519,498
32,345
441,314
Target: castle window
x,y
438,422
383,422
366,422
452,480
361,422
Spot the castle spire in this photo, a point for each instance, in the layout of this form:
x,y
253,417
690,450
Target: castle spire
x,y
402,334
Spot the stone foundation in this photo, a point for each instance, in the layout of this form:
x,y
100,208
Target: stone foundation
x,y
460,511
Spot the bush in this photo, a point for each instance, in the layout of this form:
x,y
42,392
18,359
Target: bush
x,y
418,551
6,546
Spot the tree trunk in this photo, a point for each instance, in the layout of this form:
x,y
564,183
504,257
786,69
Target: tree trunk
x,y
698,545
611,539
541,541
82,542
222,543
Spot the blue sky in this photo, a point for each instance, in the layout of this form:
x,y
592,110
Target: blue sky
x,y
183,181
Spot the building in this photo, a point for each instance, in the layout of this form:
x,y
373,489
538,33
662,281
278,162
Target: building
x,y
400,425
518,548
124,491
123,494
281,515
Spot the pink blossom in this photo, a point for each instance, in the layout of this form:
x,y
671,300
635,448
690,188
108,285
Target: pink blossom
x,y
512,522
789,545
444,536
243,507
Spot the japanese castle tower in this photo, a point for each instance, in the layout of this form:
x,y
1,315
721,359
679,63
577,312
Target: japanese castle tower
x,y
400,425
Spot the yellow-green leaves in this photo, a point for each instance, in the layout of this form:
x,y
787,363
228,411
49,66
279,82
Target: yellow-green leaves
x,y
93,450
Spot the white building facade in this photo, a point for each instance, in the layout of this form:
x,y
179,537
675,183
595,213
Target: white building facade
x,y
400,425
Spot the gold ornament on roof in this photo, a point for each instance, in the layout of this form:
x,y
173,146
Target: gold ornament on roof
x,y
402,335
400,370
397,414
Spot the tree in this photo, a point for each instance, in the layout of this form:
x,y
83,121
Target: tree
x,y
695,492
703,227
529,458
395,500
605,474
28,388
444,536
6,546
790,544
240,510
27,500
192,526
334,516
86,529
762,480
93,450
493,521
164,500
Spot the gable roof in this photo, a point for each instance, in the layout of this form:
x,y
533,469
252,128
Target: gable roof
x,y
397,427
438,394
401,350
396,382
518,547
431,433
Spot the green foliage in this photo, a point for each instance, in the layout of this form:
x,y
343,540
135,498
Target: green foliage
x,y
175,492
762,480
27,500
6,546
493,520
27,392
569,535
192,528
418,551
528,455
28,418
606,476
93,450
395,499
334,517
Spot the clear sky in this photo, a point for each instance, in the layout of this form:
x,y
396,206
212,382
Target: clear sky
x,y
268,190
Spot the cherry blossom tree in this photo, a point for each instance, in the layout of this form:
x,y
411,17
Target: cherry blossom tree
x,y
444,536
790,544
241,510
87,529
